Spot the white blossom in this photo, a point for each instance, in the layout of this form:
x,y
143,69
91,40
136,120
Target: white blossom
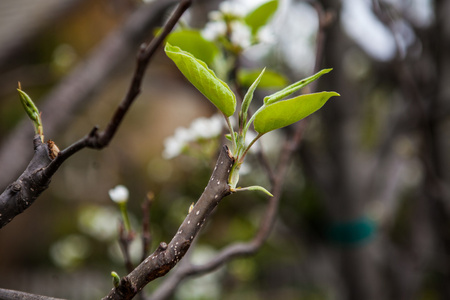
x,y
200,128
215,15
207,128
232,8
70,251
214,30
184,135
99,222
240,34
172,147
119,194
266,35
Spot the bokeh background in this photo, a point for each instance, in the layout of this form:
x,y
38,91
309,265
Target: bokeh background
x,y
365,209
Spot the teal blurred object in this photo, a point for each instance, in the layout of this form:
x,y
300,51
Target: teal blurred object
x,y
352,233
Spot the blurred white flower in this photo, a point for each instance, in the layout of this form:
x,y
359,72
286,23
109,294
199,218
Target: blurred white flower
x,y
200,128
207,127
172,147
119,194
214,30
70,251
184,135
232,8
240,34
99,222
215,15
266,35
231,13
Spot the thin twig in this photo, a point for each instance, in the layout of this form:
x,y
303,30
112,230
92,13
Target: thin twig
x,y
146,233
99,140
168,255
20,194
125,239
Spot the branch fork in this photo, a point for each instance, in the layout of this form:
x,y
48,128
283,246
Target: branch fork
x,y
166,256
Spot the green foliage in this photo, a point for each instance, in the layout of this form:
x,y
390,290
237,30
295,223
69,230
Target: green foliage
x,y
192,41
270,79
293,87
255,188
248,99
261,15
115,279
204,79
287,112
32,112
275,112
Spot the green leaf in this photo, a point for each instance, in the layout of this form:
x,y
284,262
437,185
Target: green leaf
x,y
261,15
248,99
204,79
115,279
293,87
287,112
270,79
32,111
254,188
192,41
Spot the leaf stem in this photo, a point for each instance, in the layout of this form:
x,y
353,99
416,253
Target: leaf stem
x,y
233,137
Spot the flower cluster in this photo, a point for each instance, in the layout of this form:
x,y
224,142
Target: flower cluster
x,y
228,23
200,129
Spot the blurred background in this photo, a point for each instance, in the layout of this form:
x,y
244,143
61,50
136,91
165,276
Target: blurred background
x,y
366,203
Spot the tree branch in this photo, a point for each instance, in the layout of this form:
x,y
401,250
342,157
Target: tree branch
x,y
36,178
76,89
15,295
160,262
240,249
276,178
20,194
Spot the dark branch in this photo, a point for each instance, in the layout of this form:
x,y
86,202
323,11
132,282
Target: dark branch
x,y
20,194
160,262
240,249
276,178
73,93
15,295
99,140
24,191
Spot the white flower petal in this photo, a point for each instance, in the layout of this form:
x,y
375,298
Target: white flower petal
x,y
240,34
172,147
119,194
214,30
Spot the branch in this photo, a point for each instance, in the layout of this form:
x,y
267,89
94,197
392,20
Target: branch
x,y
276,178
240,249
99,140
160,262
76,89
24,191
15,295
20,194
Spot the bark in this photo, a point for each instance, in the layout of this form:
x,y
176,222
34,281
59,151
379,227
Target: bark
x,y
20,194
15,295
76,89
37,176
160,262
